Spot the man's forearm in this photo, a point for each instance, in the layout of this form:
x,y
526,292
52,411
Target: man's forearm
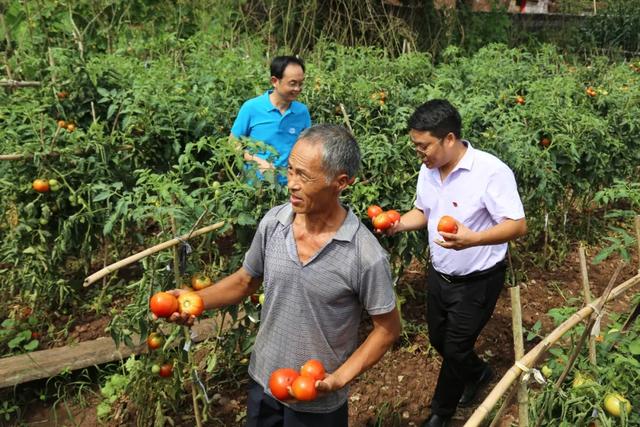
x,y
385,331
231,290
412,220
501,233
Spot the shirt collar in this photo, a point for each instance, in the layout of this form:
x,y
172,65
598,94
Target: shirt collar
x,y
466,162
293,107
346,232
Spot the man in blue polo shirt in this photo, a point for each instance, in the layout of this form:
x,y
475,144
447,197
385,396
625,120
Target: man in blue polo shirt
x,y
275,117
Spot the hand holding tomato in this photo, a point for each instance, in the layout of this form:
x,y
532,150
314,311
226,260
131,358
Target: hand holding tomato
x,y
172,306
462,238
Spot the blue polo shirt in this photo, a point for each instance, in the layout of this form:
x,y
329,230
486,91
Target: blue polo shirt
x,y
260,120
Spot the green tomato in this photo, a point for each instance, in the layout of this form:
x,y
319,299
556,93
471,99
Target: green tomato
x,y
155,369
546,371
54,185
261,299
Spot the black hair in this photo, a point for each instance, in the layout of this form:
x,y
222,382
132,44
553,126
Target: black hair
x,y
280,63
437,116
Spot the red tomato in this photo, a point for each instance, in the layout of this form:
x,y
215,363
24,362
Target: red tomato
x,y
62,95
154,341
279,381
448,225
373,211
382,221
62,124
304,388
71,127
520,100
40,185
200,281
191,303
163,304
314,369
166,370
545,142
394,215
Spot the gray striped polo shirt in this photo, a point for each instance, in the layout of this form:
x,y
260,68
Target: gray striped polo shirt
x,y
313,310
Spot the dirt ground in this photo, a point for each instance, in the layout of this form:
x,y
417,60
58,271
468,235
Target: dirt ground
x,y
397,391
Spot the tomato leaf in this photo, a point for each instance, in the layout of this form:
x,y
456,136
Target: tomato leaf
x,y
634,347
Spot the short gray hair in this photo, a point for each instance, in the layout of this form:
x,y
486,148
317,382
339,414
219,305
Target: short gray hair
x,y
340,151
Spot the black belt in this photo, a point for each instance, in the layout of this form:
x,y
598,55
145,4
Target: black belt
x,y
476,275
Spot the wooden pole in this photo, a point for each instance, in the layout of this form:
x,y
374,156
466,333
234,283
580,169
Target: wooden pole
x,y
638,239
518,345
17,83
530,358
346,117
157,248
586,292
587,330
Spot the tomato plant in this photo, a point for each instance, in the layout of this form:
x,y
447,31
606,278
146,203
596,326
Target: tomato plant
x,y
280,380
163,304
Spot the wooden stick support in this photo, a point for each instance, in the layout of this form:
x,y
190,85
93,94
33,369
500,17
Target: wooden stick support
x,y
518,345
638,239
586,292
531,357
17,83
346,117
150,251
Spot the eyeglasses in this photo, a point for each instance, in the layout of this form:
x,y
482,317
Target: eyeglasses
x,y
423,150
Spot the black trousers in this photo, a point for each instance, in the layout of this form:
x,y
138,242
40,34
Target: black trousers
x,y
457,312
265,411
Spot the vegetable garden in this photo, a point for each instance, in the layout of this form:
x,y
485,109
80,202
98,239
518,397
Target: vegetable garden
x,y
114,124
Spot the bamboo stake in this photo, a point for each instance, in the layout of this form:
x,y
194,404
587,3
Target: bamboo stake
x,y
157,248
586,291
530,358
638,239
17,83
583,337
587,330
27,156
346,117
518,345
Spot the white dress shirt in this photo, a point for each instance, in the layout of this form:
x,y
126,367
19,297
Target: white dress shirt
x,y
480,192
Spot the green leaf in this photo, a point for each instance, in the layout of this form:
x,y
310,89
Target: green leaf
x,y
246,219
32,345
634,347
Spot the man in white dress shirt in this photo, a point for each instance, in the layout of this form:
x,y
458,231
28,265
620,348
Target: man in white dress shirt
x,y
467,270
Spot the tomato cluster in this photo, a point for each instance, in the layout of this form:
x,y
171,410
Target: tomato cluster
x,y
164,304
382,220
287,383
45,185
